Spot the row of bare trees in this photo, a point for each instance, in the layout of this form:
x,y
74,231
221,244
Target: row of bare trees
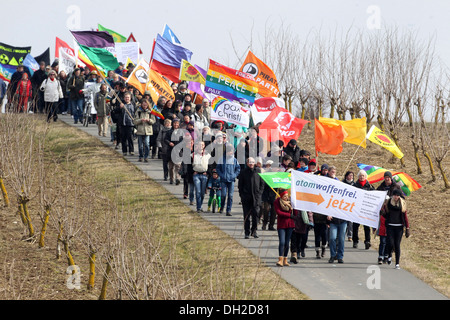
x,y
390,77
129,252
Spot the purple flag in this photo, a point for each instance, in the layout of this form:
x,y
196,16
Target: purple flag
x,y
94,39
170,54
199,88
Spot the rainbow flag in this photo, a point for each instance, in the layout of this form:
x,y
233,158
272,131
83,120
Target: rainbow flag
x,y
157,113
376,174
230,83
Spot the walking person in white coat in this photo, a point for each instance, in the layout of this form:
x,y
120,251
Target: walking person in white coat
x,y
52,93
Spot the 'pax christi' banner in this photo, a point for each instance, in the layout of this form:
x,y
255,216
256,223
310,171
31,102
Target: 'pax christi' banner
x,y
334,198
223,109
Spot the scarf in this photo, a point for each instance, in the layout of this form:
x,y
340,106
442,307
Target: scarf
x,y
285,205
363,183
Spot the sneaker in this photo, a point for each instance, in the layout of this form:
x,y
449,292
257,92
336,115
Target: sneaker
x,y
331,259
380,260
389,260
140,160
145,159
255,235
191,203
228,214
177,182
171,181
246,236
355,245
131,153
367,244
340,261
397,266
184,196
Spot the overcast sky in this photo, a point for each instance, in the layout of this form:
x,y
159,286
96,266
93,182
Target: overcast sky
x,y
207,26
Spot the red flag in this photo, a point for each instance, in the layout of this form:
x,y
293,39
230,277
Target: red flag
x,y
61,44
281,125
329,139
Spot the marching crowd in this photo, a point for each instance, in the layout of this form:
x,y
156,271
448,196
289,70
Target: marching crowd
x,y
208,157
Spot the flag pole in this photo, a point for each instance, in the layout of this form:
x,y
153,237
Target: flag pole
x,y
348,165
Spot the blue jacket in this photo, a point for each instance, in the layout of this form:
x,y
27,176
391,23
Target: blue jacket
x,y
229,170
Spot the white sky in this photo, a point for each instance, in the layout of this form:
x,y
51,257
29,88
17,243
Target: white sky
x,y
206,26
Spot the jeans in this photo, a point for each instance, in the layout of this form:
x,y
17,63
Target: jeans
x,y
337,232
144,146
77,109
382,249
284,238
227,194
200,181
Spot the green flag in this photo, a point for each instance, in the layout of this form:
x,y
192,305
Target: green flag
x,y
117,36
277,179
101,58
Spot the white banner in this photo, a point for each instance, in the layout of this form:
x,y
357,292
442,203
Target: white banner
x,y
67,62
126,50
228,111
334,198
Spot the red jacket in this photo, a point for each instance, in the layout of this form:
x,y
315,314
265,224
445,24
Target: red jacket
x,y
284,220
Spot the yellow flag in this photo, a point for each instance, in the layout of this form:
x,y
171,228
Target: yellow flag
x,y
190,73
378,137
355,128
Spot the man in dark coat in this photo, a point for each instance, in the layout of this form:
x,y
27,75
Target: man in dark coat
x,y
293,150
36,80
251,187
390,185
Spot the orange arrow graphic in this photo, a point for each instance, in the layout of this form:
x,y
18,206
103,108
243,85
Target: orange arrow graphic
x,y
310,197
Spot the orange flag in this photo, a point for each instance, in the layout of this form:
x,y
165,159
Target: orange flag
x,y
329,139
264,76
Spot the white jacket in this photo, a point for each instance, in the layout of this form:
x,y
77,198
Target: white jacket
x,y
52,90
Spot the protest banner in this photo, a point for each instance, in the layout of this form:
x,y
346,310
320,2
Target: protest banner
x,y
66,61
12,56
262,108
125,50
334,198
233,112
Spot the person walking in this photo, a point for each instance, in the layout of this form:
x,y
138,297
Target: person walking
x,y
395,212
228,170
337,239
51,88
320,234
75,86
127,109
200,171
103,110
251,187
285,226
144,121
364,184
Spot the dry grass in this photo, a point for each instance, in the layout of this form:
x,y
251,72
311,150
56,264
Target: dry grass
x,y
223,269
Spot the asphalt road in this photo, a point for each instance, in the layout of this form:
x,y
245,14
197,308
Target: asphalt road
x,y
359,278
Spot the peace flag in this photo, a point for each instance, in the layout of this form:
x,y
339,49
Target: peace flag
x,y
6,72
376,174
156,112
264,76
230,83
378,137
329,139
355,128
189,73
116,36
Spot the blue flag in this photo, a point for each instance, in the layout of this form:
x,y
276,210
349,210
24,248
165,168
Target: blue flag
x,y
31,63
169,35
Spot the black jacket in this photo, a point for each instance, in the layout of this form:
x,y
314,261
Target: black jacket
x,y
251,186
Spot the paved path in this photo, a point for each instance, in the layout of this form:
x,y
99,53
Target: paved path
x,y
356,279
